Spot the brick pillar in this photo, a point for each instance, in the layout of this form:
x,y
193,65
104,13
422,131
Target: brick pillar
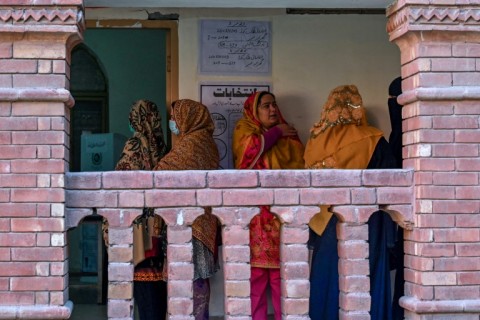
x,y
353,263
294,264
35,41
120,261
180,260
440,50
236,259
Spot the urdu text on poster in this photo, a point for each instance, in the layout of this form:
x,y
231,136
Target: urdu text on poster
x,y
225,103
235,47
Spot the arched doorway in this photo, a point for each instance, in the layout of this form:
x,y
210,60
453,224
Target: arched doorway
x,y
89,87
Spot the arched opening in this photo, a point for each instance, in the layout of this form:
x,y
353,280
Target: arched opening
x,y
89,88
208,285
385,261
265,230
150,265
324,264
87,265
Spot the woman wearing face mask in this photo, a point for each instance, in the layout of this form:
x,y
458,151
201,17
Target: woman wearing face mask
x,y
263,140
195,149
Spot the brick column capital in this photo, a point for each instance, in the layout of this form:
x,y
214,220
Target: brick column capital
x,y
62,16
431,17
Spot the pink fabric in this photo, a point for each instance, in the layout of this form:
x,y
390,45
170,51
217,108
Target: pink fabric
x,y
270,137
260,279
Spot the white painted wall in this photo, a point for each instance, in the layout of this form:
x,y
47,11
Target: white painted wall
x,y
311,55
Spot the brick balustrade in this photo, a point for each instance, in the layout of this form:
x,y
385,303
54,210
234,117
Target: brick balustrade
x,y
294,196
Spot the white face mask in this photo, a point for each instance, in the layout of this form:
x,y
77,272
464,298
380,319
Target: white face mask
x,y
173,127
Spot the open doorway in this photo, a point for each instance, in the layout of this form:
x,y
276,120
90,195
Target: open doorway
x,y
118,63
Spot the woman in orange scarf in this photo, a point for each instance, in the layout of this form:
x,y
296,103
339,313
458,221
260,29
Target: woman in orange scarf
x,y
262,139
195,149
342,139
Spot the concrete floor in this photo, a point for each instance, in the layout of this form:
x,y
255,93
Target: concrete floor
x,y
89,311
99,312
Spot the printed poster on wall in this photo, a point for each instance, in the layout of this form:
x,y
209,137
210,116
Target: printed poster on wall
x,y
225,103
235,47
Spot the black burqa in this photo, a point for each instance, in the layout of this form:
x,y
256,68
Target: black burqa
x,y
395,140
395,111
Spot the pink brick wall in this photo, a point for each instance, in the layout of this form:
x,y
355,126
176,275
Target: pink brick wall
x,y
34,126
179,196
440,52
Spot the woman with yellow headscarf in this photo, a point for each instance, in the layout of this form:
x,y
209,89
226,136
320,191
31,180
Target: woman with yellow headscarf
x,y
262,139
342,139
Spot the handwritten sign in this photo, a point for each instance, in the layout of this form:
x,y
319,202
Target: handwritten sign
x,y
235,46
225,103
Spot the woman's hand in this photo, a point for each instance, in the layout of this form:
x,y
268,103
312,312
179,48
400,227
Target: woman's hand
x,y
287,130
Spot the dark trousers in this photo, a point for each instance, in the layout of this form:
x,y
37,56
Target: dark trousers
x,y
151,299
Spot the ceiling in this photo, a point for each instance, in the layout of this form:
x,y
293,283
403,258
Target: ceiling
x,y
313,4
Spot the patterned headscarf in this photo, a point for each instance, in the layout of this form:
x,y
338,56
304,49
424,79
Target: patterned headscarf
x,y
248,143
342,139
142,152
195,148
147,146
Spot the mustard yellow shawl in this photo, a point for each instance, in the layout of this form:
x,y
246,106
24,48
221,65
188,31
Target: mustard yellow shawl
x,y
342,139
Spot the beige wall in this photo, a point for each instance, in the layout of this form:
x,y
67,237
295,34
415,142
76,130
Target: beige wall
x,y
311,55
